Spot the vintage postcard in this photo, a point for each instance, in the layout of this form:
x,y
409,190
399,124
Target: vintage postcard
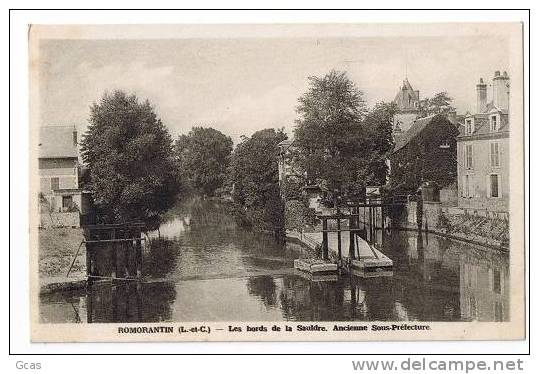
x,y
272,182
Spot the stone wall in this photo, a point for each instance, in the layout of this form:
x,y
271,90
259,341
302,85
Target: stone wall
x,y
449,196
67,219
475,212
407,215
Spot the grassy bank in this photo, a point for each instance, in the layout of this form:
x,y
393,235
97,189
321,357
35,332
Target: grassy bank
x,y
57,246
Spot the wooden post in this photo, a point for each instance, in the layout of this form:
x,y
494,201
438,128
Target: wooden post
x,y
139,302
114,302
138,256
125,246
88,260
114,255
363,208
352,246
339,244
325,254
89,303
370,224
382,214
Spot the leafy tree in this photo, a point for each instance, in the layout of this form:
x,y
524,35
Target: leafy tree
x,y
298,215
255,176
339,144
203,157
378,124
128,152
438,104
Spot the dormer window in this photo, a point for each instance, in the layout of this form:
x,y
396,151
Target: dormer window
x,y
469,126
494,123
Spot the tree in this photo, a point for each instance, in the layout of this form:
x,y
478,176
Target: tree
x,y
128,152
438,104
255,176
339,144
298,215
203,157
379,127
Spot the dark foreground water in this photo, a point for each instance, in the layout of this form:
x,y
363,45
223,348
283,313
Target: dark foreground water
x,y
205,268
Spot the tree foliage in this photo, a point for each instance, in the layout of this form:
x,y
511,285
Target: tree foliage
x,y
440,103
128,152
255,176
340,145
203,157
298,215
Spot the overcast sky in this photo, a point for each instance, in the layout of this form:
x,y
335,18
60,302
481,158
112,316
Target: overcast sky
x,y
241,85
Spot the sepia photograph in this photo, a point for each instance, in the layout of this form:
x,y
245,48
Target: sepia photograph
x,y
276,182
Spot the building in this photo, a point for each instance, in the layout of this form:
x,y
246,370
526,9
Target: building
x,y
59,192
423,153
290,182
407,100
483,150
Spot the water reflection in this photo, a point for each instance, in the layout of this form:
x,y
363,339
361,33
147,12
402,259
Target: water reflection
x,y
204,267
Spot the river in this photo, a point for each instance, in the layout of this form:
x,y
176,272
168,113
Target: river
x,y
201,266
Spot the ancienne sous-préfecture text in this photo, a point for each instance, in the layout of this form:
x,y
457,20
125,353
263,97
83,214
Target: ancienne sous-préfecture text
x,y
300,327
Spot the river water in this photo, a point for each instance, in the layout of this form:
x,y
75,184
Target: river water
x,y
200,266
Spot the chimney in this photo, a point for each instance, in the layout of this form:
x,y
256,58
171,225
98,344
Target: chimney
x,y
481,89
500,90
75,140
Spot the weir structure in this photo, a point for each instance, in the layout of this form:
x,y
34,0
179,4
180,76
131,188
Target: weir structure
x,y
119,243
354,219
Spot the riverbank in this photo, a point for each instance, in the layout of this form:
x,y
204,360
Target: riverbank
x,y
313,240
476,240
57,246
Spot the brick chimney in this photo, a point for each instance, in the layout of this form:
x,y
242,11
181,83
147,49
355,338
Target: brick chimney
x,y
75,136
500,90
481,89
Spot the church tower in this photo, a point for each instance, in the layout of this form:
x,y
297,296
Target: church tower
x,y
407,100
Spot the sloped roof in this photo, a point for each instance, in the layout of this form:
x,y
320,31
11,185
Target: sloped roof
x,y
57,142
491,108
482,123
417,126
406,84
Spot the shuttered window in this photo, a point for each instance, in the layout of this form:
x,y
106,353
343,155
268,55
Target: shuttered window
x,y
495,154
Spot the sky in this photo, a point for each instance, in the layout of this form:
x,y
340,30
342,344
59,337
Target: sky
x,y
241,85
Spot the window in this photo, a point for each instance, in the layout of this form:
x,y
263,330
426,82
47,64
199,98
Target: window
x,y
467,186
497,282
469,126
494,185
498,312
55,183
469,156
67,202
495,154
494,123
472,307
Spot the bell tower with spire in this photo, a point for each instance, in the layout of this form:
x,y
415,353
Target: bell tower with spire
x,y
407,100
